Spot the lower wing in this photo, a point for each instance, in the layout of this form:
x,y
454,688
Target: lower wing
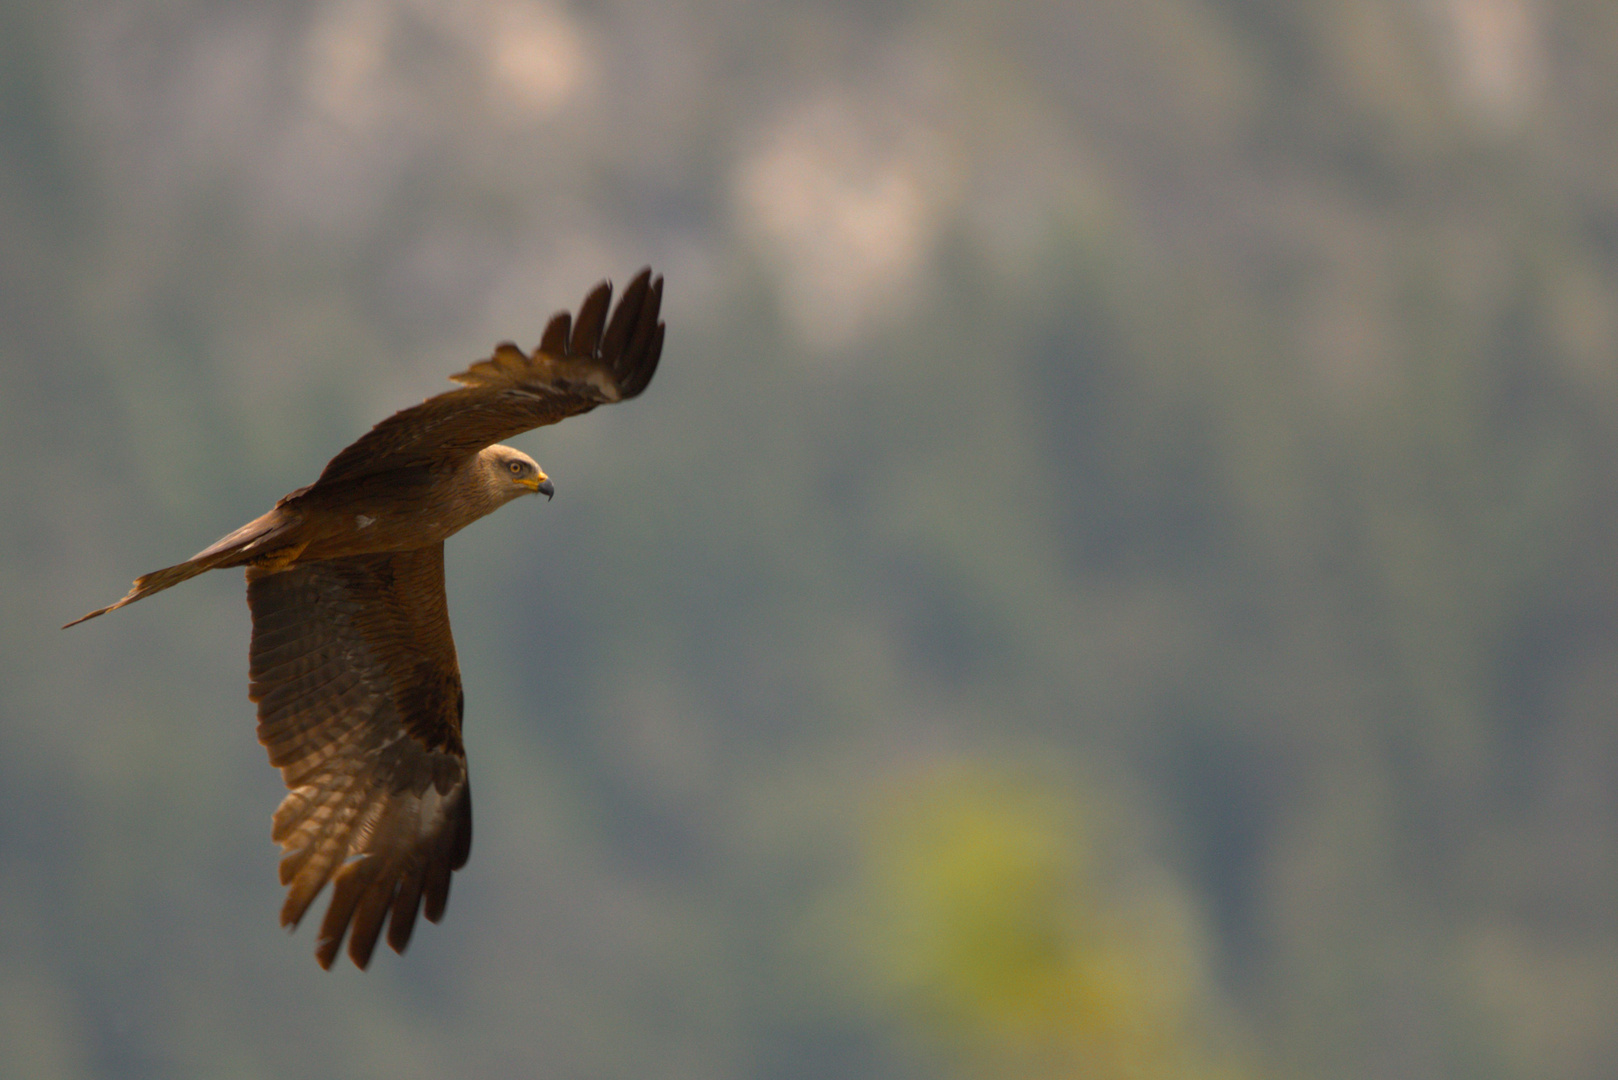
x,y
359,705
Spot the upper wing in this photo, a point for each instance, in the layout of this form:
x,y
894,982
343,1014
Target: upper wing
x,y
577,366
359,704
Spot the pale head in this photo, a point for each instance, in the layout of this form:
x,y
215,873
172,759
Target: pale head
x,y
512,473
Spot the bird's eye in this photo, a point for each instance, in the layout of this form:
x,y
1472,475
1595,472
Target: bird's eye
x,y
515,467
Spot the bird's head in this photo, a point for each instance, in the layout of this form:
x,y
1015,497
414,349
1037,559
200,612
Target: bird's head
x,y
516,473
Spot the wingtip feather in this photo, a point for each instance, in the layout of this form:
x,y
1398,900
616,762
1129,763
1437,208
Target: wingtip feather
x,y
557,331
592,320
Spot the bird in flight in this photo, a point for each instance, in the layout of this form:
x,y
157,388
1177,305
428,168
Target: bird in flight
x,y
352,664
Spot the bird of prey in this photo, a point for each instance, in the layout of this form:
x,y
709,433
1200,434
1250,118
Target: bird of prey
x,y
352,664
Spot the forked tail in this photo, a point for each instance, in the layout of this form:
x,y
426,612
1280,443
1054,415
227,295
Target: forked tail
x,y
242,546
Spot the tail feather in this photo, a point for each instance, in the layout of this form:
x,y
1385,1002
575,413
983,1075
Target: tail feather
x,y
241,546
147,584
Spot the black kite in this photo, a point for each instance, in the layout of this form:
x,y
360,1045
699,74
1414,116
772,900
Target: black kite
x,y
352,663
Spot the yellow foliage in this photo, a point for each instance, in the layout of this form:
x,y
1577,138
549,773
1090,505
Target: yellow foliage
x,y
987,929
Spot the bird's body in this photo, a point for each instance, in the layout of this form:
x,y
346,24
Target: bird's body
x,y
352,663
398,510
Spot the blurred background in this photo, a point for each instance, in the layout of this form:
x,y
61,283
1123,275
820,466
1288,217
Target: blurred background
x,y
1113,577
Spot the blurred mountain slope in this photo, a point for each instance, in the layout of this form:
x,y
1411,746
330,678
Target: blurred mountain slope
x,y
1210,403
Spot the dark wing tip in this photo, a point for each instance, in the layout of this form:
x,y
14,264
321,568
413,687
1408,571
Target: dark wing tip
x,y
557,331
628,342
647,345
592,320
625,319
634,341
648,365
406,903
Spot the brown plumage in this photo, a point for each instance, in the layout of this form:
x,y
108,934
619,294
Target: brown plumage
x,y
352,663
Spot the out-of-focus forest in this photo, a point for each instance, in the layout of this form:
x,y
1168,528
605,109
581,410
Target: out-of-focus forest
x,y
1114,576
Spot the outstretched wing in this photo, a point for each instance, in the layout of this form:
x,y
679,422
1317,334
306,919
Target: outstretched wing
x,y
359,704
577,366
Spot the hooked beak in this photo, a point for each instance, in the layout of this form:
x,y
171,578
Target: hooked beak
x,y
539,485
